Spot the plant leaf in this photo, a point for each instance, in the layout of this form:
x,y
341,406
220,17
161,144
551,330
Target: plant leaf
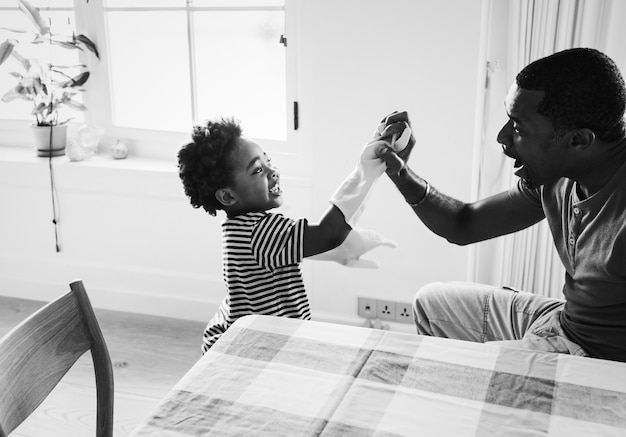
x,y
75,81
40,39
80,79
33,13
8,29
89,44
59,68
75,105
22,60
64,44
11,95
6,48
37,110
38,86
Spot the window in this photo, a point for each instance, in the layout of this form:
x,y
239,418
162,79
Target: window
x,y
168,64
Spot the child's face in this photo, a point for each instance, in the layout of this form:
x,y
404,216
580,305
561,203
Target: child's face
x,y
256,183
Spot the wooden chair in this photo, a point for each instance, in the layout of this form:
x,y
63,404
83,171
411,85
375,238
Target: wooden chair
x,y
38,352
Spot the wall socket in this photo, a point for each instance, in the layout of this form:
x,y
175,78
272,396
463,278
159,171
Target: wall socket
x,y
367,308
401,312
386,310
404,312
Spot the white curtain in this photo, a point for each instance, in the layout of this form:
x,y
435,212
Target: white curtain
x,y
527,260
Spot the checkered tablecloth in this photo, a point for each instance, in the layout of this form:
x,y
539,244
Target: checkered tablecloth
x,y
283,377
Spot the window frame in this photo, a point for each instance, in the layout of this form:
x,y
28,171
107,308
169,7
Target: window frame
x,y
90,20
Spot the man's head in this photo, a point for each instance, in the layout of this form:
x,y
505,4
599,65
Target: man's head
x,y
583,89
562,110
221,169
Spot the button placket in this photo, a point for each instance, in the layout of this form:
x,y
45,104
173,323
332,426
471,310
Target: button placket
x,y
574,226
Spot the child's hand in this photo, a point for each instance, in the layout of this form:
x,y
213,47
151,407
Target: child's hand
x,y
395,155
396,124
392,160
352,194
397,136
357,243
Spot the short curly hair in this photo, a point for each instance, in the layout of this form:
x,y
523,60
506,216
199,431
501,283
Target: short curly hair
x,y
204,165
583,89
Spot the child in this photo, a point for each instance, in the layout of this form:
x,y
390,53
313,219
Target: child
x,y
223,170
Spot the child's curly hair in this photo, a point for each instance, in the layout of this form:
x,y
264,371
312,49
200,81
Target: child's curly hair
x,y
204,165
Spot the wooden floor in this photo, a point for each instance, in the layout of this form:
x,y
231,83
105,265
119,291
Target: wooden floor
x,y
149,354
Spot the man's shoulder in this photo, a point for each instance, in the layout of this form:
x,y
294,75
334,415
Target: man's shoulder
x,y
532,196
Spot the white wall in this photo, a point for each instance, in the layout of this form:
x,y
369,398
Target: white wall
x,y
128,231
357,64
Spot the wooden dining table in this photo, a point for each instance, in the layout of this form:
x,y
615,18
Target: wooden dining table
x,y
270,376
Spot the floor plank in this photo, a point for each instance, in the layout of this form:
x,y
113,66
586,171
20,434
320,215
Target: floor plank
x,y
149,355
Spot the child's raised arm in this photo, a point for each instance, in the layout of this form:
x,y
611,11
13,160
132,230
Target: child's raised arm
x,y
329,233
333,238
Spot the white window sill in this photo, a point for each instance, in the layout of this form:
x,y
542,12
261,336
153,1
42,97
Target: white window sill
x,y
26,155
154,152
138,176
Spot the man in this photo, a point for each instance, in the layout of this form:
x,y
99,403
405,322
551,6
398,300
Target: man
x,y
566,133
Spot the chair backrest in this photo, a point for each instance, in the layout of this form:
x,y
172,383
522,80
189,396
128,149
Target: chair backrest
x,y
38,352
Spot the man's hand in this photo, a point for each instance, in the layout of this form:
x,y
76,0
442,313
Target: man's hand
x,y
393,160
353,192
395,124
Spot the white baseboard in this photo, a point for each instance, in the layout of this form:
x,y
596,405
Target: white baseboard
x,y
142,302
179,307
359,321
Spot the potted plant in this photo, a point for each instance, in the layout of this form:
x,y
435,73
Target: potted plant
x,y
48,86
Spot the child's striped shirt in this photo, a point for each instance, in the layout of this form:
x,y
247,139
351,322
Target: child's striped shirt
x,y
261,255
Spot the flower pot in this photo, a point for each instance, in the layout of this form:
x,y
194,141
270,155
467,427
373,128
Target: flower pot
x,y
50,140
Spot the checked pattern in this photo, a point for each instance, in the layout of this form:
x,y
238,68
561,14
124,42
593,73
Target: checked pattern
x,y
270,376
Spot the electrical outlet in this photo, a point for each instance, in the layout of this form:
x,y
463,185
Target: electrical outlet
x,y
386,310
367,307
404,312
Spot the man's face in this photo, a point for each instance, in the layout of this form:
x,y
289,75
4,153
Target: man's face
x,y
530,139
256,183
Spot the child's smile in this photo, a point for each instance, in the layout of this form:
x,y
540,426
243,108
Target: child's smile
x,y
275,190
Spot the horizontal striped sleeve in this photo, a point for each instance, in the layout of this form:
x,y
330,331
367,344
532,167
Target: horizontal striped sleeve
x,y
277,241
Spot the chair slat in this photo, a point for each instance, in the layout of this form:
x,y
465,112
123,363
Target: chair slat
x,y
38,352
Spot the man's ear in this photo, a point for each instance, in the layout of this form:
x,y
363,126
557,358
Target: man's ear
x,y
225,196
582,138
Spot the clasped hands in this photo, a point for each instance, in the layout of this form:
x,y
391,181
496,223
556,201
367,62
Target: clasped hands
x,y
387,151
392,142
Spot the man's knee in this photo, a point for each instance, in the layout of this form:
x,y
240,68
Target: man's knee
x,y
423,303
451,309
427,294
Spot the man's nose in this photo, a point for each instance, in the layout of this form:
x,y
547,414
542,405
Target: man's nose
x,y
505,149
503,139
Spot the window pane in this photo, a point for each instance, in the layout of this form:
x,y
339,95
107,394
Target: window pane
x,y
193,3
42,4
149,70
241,69
144,3
237,3
17,109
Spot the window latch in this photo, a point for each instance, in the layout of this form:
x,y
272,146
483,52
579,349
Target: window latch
x,y
283,40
